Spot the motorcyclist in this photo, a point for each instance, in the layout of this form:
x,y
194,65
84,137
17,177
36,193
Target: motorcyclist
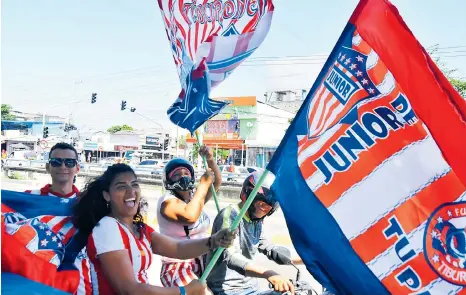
x,y
235,272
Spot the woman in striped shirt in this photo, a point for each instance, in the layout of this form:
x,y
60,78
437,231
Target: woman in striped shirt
x,y
120,244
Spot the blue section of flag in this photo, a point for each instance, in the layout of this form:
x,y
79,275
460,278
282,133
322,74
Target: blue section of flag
x,y
194,106
316,235
31,206
17,285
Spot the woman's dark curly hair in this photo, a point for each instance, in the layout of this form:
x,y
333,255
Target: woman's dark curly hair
x,y
92,206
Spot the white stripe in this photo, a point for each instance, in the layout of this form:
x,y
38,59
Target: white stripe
x,y
387,85
54,221
397,177
261,31
372,60
176,274
440,287
333,100
225,47
317,145
315,180
67,227
185,275
94,280
331,119
388,261
319,110
314,101
35,192
356,40
55,260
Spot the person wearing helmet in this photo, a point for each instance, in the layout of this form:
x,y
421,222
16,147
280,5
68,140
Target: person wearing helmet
x,y
180,214
235,272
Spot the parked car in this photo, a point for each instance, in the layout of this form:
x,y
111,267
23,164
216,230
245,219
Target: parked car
x,y
151,164
238,175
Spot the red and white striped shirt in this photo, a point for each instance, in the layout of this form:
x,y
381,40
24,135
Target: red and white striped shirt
x,y
63,225
111,235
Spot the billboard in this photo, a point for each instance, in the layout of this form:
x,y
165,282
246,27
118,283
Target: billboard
x,y
224,129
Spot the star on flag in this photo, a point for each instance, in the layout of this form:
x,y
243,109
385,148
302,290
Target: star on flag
x,y
359,58
44,242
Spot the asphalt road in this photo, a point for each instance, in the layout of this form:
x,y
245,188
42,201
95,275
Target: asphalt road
x,y
274,225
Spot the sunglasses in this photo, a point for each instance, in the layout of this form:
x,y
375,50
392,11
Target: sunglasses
x,y
57,162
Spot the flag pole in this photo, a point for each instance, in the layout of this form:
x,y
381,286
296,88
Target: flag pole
x,y
235,224
214,193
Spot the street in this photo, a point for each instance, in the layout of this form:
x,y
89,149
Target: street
x,y
274,225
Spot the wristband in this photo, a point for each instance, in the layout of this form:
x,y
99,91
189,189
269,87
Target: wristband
x,y
182,290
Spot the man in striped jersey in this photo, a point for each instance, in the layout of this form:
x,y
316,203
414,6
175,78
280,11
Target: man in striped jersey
x,y
62,167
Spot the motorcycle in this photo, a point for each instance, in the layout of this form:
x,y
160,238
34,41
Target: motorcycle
x,y
282,256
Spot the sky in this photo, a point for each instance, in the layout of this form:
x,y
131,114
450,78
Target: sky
x,y
60,51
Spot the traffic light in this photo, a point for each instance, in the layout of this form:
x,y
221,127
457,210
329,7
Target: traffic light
x,y
123,105
94,98
165,144
38,141
46,132
133,110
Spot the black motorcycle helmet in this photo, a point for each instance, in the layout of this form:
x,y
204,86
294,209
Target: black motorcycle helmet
x,y
263,194
186,183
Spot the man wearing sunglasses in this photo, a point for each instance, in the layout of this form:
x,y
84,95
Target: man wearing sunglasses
x,y
62,166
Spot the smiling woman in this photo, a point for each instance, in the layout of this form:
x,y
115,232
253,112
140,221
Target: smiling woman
x,y
120,244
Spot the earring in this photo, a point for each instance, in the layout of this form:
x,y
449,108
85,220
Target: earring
x,y
108,204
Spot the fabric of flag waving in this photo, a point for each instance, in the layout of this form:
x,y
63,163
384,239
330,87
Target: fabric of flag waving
x,y
375,199
36,243
208,41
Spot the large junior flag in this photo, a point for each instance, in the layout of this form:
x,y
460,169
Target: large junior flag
x,y
371,175
209,39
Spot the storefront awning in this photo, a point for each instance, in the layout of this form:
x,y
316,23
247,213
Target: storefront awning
x,y
220,143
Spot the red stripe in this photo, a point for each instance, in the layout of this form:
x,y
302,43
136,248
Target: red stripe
x,y
46,219
190,274
146,247
143,262
69,235
61,224
86,277
181,275
163,275
125,238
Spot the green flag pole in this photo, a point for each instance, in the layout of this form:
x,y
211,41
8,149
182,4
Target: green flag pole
x,y
235,224
214,193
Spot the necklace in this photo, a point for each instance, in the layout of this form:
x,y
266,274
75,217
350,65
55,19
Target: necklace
x,y
134,230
